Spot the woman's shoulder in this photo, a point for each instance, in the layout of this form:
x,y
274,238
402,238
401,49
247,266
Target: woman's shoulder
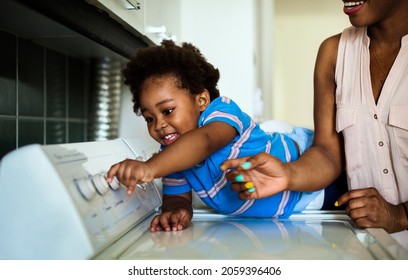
x,y
330,43
327,52
348,33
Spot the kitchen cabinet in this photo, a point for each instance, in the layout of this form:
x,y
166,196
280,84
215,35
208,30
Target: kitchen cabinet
x,y
153,19
129,13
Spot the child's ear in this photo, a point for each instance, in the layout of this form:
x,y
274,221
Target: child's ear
x,y
203,99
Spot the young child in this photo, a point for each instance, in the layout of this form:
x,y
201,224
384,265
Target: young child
x,y
175,89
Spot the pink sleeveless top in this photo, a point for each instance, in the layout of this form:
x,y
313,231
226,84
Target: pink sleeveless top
x,y
375,135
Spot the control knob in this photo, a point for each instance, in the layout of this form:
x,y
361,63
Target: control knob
x,y
115,184
100,183
85,188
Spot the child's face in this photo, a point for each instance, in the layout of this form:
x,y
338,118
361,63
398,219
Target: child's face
x,y
169,111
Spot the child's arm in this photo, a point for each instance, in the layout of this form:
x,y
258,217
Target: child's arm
x,y
192,148
188,150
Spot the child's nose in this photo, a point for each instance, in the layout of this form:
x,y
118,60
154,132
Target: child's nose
x,y
160,124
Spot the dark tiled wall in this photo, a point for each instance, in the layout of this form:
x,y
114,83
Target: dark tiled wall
x,y
43,95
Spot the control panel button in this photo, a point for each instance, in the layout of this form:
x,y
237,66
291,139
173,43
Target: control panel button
x,y
100,183
85,187
114,184
142,186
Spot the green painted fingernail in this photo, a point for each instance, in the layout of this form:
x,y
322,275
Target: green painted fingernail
x,y
246,165
239,178
251,190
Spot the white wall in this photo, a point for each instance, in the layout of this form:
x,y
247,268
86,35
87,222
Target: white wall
x,y
264,31
300,27
271,44
130,125
224,32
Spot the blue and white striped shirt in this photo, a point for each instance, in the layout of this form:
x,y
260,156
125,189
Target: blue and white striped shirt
x,y
209,181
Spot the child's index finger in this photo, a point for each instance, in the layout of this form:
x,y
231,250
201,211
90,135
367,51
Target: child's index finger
x,y
111,173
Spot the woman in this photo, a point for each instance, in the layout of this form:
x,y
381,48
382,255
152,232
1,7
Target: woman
x,y
361,122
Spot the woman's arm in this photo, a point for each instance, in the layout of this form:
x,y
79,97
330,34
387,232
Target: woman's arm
x,y
323,162
320,165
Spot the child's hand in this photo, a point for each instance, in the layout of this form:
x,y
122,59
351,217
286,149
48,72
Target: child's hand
x,y
174,220
130,173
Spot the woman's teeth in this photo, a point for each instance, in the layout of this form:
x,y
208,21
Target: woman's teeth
x,y
353,4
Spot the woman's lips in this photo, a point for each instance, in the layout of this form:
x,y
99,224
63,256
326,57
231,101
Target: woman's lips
x,y
352,7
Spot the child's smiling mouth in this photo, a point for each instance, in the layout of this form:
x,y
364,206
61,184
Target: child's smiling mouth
x,y
170,138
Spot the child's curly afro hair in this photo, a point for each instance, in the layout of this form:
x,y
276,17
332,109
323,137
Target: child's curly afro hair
x,y
185,63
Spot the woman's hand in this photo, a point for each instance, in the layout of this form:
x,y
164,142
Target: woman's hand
x,y
258,176
368,209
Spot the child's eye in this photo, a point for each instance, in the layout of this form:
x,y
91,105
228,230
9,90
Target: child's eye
x,y
148,119
168,111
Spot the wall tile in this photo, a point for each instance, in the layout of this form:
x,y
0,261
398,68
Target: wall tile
x,y
31,79
8,50
77,88
30,132
56,84
76,132
55,132
38,99
8,135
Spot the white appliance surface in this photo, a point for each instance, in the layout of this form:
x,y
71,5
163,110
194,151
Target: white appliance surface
x,y
313,235
56,204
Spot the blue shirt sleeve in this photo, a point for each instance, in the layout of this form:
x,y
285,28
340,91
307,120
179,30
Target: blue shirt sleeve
x,y
225,110
174,184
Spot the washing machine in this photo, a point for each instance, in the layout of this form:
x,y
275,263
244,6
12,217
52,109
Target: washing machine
x,y
56,204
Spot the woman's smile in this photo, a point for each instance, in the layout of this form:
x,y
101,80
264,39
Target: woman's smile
x,y
352,7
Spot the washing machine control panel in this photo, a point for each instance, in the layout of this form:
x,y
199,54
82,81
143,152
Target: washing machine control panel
x,y
106,209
